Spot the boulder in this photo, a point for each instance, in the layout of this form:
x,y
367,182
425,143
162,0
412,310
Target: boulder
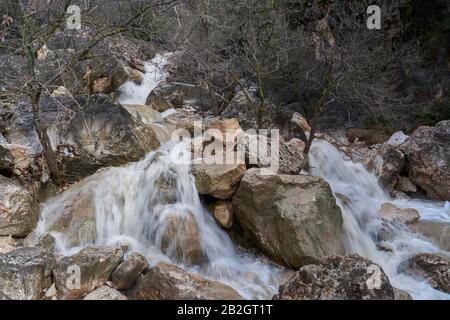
x,y
126,274
158,103
387,163
25,273
428,155
218,180
43,241
223,213
168,282
437,232
393,214
19,212
90,268
180,238
105,293
434,268
87,133
339,278
293,219
8,244
76,217
290,159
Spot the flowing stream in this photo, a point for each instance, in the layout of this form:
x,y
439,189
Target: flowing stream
x,y
360,206
153,207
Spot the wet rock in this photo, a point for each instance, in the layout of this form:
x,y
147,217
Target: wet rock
x,y
94,265
434,268
428,155
293,219
105,293
126,274
387,163
223,213
168,282
339,278
438,232
405,184
180,238
43,241
393,214
77,218
25,274
218,180
401,295
158,103
19,212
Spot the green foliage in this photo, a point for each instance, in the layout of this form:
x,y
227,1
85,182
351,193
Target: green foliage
x,y
438,111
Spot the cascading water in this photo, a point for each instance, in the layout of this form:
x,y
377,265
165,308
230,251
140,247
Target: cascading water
x,y
360,196
153,208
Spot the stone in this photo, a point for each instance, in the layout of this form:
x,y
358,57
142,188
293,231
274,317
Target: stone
x,y
44,241
434,268
223,213
437,232
428,155
401,295
158,103
94,265
348,277
25,273
105,293
293,219
180,238
404,184
19,212
386,163
168,282
393,214
126,274
218,180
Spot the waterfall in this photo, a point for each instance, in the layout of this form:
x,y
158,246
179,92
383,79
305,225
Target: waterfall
x,y
152,207
359,195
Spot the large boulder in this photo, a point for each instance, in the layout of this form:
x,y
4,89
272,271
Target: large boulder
x,y
90,268
86,133
25,273
432,267
126,274
293,219
428,156
168,282
339,278
19,212
218,180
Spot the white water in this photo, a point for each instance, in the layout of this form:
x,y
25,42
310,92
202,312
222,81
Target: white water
x,y
147,205
361,218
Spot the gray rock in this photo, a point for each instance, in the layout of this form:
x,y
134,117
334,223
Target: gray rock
x,y
339,278
94,265
19,212
293,219
105,293
25,273
168,282
126,274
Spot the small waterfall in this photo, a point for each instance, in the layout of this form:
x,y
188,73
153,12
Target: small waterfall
x,y
360,196
152,207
